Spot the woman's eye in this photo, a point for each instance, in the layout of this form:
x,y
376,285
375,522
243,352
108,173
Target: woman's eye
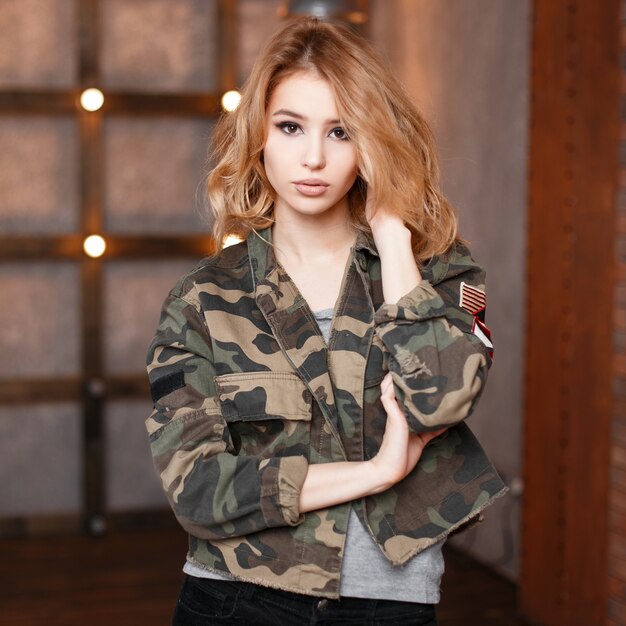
x,y
289,128
339,133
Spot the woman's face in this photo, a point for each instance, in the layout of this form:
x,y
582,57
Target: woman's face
x,y
309,160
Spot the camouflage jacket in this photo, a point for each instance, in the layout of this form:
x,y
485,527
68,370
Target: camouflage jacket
x,y
247,394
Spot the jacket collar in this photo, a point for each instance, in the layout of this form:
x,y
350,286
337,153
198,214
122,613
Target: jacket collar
x,y
364,241
340,373
434,270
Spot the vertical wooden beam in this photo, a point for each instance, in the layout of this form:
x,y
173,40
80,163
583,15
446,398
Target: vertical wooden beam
x,y
93,397
88,42
90,130
227,45
616,586
572,189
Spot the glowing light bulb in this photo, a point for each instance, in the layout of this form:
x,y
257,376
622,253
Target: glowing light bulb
x,y
230,100
231,240
94,246
91,99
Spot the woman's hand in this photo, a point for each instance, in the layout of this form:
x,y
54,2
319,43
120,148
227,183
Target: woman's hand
x,y
327,484
387,227
400,273
400,449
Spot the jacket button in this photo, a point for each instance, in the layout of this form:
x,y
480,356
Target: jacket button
x,y
322,604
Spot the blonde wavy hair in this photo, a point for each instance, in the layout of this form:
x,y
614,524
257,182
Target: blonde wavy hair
x,y
394,144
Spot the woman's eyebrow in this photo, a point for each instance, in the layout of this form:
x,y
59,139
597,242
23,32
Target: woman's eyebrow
x,y
298,116
289,113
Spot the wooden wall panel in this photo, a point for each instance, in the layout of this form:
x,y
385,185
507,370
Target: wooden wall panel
x,y
616,608
572,184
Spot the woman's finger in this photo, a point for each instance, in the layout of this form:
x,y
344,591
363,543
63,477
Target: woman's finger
x,y
386,383
431,435
390,404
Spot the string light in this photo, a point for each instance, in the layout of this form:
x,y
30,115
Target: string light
x,y
230,100
94,246
231,240
91,99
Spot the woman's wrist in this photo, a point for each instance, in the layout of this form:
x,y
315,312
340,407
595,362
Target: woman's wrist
x,y
377,477
388,232
328,484
392,237
400,273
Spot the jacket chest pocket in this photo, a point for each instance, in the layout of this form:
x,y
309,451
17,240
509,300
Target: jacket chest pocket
x,y
268,413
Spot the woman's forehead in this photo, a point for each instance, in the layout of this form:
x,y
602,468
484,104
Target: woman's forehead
x,y
306,93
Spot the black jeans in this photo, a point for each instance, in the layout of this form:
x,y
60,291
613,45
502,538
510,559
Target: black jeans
x,y
204,601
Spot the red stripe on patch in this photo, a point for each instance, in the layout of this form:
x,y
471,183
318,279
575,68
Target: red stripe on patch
x,y
472,299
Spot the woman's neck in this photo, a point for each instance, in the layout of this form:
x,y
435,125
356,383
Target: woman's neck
x,y
314,251
307,238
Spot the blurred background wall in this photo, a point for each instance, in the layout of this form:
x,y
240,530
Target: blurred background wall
x,y
524,101
74,330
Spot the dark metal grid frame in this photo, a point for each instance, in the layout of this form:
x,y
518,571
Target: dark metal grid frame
x,y
93,388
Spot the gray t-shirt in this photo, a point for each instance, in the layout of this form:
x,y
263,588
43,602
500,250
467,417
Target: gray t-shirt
x,y
365,572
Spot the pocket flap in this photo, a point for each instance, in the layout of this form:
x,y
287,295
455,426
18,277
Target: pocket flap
x,y
253,396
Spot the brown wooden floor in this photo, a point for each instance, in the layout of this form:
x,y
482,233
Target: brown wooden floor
x,y
132,579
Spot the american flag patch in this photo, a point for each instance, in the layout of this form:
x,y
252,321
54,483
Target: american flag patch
x,y
484,334
473,300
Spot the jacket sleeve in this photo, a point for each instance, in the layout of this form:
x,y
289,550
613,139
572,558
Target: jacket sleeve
x,y
437,362
214,493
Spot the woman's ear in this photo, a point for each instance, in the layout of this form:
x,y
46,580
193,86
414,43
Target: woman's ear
x,y
361,187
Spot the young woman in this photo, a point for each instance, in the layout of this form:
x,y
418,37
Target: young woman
x,y
310,383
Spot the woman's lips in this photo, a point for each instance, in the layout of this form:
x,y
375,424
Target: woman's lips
x,y
311,187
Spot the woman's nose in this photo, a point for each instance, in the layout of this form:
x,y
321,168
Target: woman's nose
x,y
313,156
